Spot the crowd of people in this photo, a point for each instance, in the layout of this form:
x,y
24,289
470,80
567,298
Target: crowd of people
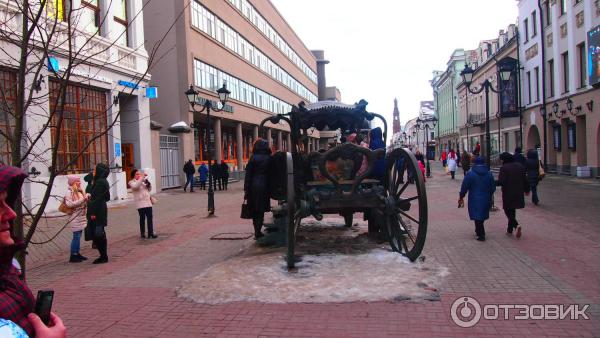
x,y
219,175
517,177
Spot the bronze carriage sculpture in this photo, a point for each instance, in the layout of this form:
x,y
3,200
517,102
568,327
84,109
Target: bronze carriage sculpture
x,y
395,207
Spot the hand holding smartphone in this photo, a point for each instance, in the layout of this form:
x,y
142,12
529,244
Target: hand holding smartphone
x,y
43,305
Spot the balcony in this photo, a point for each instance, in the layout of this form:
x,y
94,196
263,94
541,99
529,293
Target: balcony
x,y
476,119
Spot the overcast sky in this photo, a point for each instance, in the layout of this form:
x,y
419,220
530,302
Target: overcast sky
x,y
381,49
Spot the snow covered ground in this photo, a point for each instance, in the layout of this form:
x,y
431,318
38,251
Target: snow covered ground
x,y
338,265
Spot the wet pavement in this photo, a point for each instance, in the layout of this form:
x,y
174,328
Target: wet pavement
x,y
138,293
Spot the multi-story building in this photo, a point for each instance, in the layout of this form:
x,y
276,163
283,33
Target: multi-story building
x,y
503,121
560,50
444,97
99,60
417,137
248,45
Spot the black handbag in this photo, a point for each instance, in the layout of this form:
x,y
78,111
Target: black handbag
x,y
246,213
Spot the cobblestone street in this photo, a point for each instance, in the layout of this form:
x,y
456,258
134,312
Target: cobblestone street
x,y
134,295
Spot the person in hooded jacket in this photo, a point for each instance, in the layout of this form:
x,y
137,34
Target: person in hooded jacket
x,y
513,179
16,300
97,213
203,172
479,184
376,142
532,165
256,184
519,156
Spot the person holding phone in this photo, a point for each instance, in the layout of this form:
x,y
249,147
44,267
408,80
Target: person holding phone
x,y
16,299
140,187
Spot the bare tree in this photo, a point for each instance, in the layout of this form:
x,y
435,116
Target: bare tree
x,y
30,33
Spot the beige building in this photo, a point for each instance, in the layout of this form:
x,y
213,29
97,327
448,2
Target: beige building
x,y
248,45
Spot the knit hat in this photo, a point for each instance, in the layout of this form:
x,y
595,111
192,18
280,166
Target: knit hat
x,y
71,179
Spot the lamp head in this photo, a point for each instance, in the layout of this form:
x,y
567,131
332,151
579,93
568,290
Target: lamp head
x,y
569,104
467,75
555,108
223,94
192,95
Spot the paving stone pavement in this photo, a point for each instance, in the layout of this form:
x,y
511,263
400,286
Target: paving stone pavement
x,y
556,262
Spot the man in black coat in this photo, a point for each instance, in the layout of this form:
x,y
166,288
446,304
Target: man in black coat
x,y
97,211
189,170
513,179
256,184
224,174
215,172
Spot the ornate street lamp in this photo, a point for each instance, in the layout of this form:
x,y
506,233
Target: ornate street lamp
x,y
426,125
192,96
504,72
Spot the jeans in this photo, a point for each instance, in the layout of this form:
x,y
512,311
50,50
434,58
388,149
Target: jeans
x,y
75,242
511,214
190,181
146,213
534,195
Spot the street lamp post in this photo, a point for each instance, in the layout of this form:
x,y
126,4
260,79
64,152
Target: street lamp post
x,y
426,124
192,96
468,125
504,72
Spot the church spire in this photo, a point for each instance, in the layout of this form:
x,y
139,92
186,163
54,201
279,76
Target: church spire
x,y
396,123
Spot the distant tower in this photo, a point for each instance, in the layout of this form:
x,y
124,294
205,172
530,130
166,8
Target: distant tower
x,y
396,117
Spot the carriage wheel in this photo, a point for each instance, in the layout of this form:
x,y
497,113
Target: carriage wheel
x,y
293,219
405,204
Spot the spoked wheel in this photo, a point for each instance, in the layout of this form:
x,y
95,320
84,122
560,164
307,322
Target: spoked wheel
x,y
405,204
292,218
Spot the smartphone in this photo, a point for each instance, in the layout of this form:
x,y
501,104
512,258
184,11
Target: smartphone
x,y
43,305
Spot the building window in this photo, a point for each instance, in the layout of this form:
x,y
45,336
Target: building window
x,y
556,137
8,95
563,6
565,64
528,87
551,77
582,64
90,16
548,14
121,19
536,73
526,26
83,127
56,9
533,23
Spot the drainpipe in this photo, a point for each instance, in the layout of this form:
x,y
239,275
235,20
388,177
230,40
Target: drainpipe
x,y
519,107
543,46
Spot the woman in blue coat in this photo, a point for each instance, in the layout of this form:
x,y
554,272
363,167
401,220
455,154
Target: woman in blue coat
x,y
203,171
480,185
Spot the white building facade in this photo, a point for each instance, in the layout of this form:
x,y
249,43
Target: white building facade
x,y
107,87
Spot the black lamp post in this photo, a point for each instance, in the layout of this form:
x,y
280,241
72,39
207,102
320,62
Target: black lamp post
x,y
192,96
504,72
426,124
468,125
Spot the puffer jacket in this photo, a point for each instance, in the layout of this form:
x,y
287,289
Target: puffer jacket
x,y
141,194
78,203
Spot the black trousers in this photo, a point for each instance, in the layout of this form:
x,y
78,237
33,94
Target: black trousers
x,y
258,221
452,173
479,229
511,214
216,181
146,213
465,170
224,182
202,185
102,245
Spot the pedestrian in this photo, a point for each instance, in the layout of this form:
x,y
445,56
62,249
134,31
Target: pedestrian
x,y
444,158
477,150
256,183
215,172
376,142
76,201
203,172
224,174
452,161
189,170
532,165
16,300
141,187
479,184
519,156
97,212
465,162
513,180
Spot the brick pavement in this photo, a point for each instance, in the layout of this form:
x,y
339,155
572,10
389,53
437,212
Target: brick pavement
x,y
134,295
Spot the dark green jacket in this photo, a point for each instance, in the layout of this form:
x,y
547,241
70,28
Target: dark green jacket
x,y
100,194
